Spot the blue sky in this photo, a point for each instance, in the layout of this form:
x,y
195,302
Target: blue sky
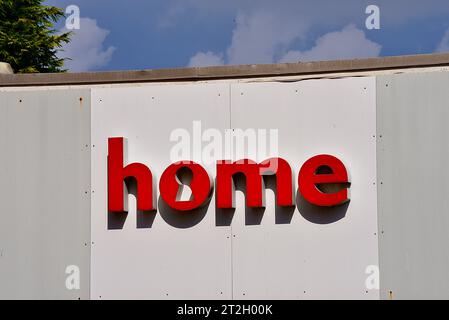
x,y
149,34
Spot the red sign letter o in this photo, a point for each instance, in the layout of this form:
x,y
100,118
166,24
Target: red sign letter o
x,y
200,185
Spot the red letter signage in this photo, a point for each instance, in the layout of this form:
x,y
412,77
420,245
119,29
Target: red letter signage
x,y
316,173
309,179
117,174
254,182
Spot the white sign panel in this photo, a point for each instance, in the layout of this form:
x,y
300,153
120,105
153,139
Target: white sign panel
x,y
312,252
293,252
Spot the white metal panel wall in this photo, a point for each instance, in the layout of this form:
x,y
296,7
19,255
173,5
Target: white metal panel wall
x,y
413,157
320,253
179,256
305,253
44,193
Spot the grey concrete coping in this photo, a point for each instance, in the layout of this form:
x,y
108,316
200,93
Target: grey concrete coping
x,y
226,72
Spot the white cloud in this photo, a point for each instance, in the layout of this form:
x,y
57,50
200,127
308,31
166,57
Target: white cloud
x,y
444,44
258,37
86,47
348,43
205,59
266,31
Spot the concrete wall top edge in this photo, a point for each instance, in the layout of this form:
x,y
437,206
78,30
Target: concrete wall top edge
x,y
227,72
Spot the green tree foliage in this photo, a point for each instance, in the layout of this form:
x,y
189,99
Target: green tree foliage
x,y
28,39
